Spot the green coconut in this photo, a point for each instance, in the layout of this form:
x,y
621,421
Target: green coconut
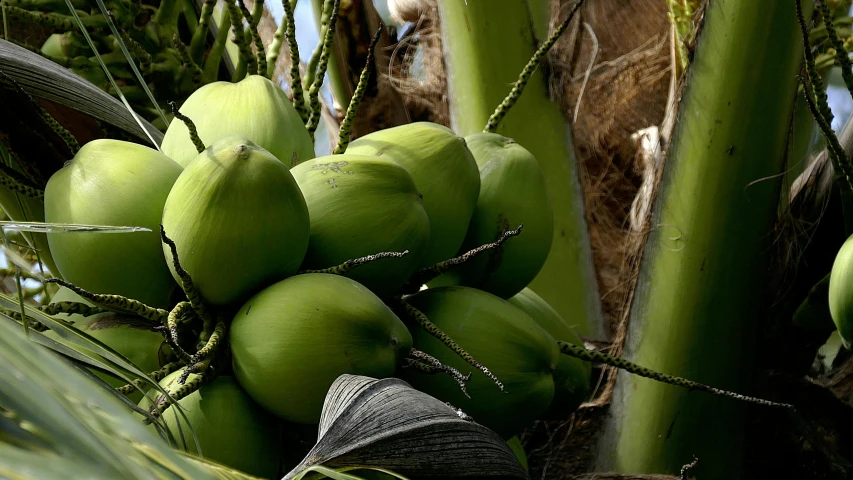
x,y
124,334
444,172
512,193
230,427
116,183
292,340
571,377
238,219
361,205
254,107
500,336
841,292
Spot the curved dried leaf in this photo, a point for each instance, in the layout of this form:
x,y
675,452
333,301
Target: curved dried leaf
x,y
47,80
388,424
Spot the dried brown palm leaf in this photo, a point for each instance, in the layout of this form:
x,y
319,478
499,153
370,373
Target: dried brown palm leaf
x,y
386,423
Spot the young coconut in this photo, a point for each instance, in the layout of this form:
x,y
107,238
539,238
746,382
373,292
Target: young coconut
x,y
238,219
841,292
111,182
362,205
231,428
444,171
512,193
254,107
124,334
571,377
292,340
504,338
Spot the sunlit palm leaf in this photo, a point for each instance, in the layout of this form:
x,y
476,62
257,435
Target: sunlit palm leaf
x,y
88,431
94,353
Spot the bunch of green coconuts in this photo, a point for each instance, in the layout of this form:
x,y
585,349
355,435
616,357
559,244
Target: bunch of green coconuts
x,y
247,303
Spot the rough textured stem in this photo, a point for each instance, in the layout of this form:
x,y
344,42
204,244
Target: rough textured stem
x,y
295,75
75,308
240,40
116,303
339,81
425,275
314,92
186,59
352,108
699,290
841,54
257,11
426,363
357,262
817,102
431,328
16,182
481,59
199,146
527,72
178,314
620,363
161,405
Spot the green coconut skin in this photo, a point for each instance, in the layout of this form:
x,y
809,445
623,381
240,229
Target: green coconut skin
x,y
571,377
254,107
116,183
512,193
144,348
841,292
238,219
444,171
231,428
500,336
362,205
292,340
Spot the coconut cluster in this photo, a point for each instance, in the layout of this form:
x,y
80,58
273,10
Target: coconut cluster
x,y
282,271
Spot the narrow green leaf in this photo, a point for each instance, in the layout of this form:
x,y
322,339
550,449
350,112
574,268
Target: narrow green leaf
x,y
43,227
83,424
107,72
130,60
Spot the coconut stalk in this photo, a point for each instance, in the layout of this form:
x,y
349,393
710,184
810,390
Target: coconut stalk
x,y
482,63
698,297
339,83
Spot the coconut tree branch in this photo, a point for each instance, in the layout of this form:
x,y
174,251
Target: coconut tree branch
x,y
527,72
418,317
352,108
116,303
199,145
425,275
314,92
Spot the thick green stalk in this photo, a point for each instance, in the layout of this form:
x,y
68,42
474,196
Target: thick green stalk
x,y
699,294
220,48
482,63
